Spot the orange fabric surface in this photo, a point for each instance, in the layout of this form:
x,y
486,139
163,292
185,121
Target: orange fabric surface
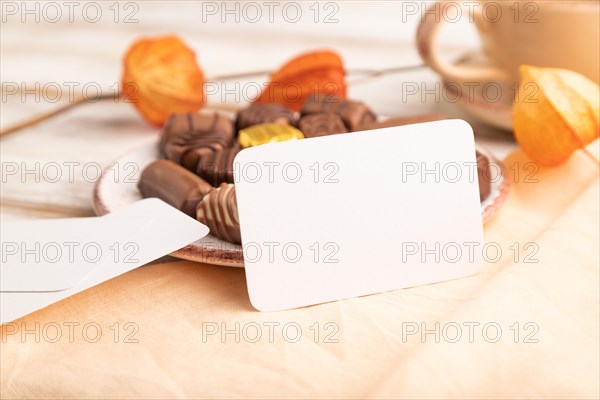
x,y
172,309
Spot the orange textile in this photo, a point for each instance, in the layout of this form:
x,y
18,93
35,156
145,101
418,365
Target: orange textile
x,y
519,328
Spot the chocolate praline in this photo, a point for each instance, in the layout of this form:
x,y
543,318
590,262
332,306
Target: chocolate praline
x,y
187,137
353,113
263,114
321,124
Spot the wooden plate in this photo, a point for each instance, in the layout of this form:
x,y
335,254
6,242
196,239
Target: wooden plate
x,y
118,188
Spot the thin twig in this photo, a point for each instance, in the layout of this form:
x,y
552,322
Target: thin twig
x,y
367,74
591,156
239,75
45,116
386,71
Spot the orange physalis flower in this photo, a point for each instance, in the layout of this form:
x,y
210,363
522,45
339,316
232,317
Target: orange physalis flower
x,y
315,72
161,77
556,114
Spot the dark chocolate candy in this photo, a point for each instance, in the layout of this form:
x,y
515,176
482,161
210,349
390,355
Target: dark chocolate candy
x,y
483,176
321,124
187,137
353,113
217,167
263,114
174,185
218,210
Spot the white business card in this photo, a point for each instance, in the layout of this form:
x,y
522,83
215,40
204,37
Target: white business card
x,y
349,215
49,260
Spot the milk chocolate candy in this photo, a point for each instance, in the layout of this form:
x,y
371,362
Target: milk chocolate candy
x,y
267,133
353,113
389,123
321,124
217,167
218,210
174,185
263,114
187,137
483,176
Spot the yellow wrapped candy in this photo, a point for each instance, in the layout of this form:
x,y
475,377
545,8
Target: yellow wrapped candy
x,y
267,133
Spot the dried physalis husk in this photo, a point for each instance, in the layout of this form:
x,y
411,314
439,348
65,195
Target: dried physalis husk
x,y
557,113
161,77
314,72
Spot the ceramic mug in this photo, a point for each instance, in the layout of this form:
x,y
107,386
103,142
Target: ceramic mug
x,y
543,33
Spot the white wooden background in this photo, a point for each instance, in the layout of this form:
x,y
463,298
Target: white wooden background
x,y
59,52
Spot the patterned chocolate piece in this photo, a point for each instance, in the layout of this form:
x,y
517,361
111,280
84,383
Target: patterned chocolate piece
x,y
483,176
263,114
187,137
218,210
267,133
174,185
217,167
354,114
322,124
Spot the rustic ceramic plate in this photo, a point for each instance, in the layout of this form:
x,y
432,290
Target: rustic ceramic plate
x,y
118,188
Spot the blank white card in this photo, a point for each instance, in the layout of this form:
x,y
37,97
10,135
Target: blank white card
x,y
348,215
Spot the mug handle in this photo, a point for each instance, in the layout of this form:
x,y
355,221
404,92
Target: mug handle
x,y
427,35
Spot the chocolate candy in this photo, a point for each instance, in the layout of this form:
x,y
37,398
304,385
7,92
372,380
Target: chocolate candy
x,y
483,176
267,133
322,124
174,185
218,210
402,121
354,114
217,167
187,137
263,114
